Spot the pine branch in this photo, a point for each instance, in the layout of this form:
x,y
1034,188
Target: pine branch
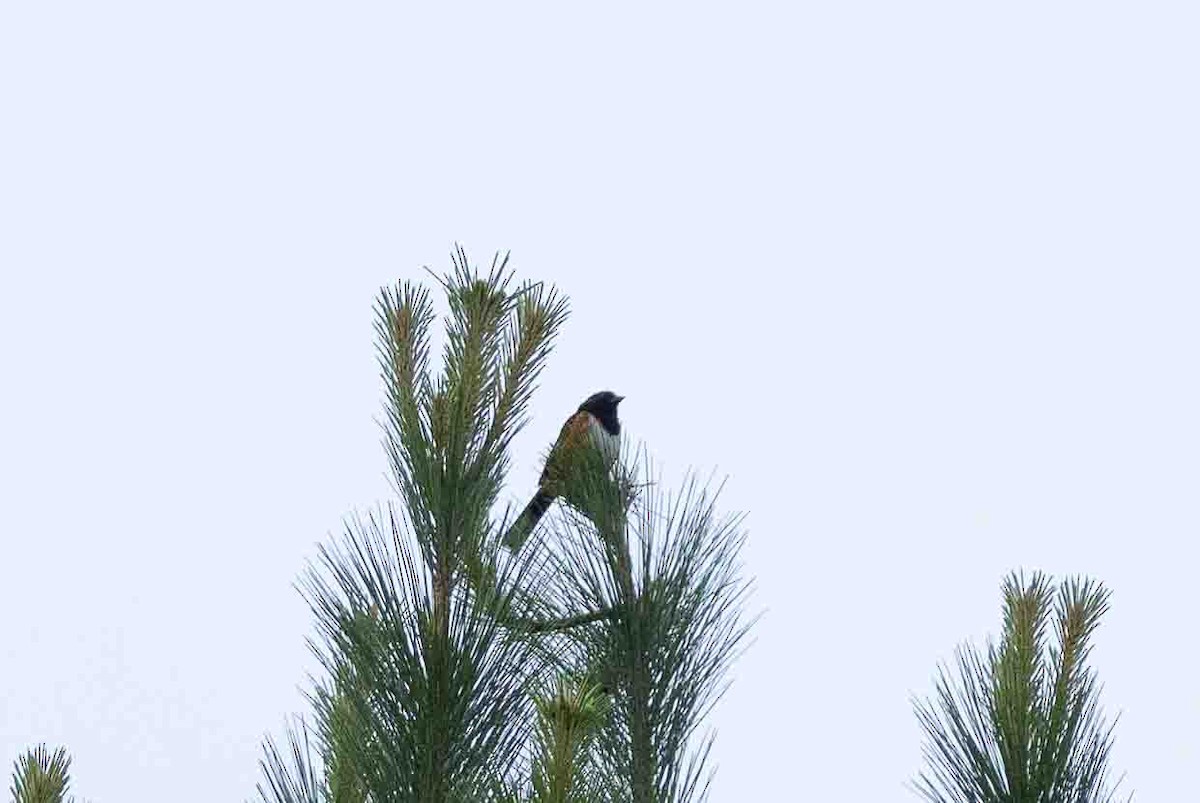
x,y
569,718
430,694
41,776
1022,723
668,564
432,635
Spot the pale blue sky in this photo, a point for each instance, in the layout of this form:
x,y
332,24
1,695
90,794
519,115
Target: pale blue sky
x,y
920,277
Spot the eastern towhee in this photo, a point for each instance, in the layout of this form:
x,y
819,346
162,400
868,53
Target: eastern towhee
x,y
594,425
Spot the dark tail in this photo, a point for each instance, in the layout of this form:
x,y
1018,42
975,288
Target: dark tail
x,y
530,516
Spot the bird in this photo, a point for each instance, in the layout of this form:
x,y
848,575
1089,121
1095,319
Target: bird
x,y
593,426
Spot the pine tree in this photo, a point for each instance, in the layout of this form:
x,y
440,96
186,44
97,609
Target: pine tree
x,y
577,668
1021,723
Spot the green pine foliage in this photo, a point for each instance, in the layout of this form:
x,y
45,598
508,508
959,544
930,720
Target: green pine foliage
x,y
41,776
568,719
1021,722
580,667
577,668
665,567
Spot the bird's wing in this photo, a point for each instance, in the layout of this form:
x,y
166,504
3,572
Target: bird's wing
x,y
575,433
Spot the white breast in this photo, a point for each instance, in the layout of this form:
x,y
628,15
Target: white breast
x,y
608,444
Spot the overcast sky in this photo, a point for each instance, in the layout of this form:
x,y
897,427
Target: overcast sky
x,y
920,278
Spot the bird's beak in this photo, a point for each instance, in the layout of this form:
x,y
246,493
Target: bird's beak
x,y
619,399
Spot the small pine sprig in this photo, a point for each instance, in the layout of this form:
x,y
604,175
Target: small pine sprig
x,y
41,776
569,718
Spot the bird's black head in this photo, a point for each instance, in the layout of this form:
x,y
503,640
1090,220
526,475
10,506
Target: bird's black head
x,y
603,405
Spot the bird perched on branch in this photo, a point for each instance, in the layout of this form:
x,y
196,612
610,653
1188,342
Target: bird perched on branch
x,y
594,426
